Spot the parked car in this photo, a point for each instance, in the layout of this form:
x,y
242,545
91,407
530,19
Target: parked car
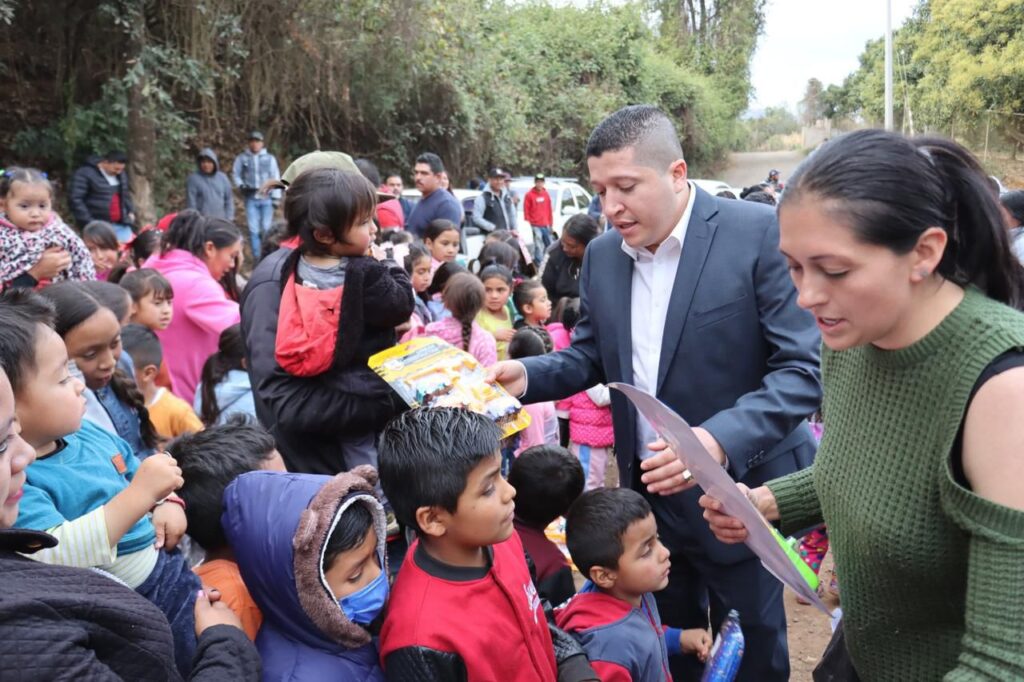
x,y
713,187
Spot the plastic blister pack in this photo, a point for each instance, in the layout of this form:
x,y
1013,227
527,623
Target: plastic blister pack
x,y
429,372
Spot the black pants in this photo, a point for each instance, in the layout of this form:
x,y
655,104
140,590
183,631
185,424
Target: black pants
x,y
698,585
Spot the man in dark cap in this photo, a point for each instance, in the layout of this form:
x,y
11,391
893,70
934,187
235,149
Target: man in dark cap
x,y
252,169
495,209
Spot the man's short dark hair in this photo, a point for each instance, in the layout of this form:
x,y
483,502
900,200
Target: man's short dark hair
x,y
426,455
644,127
209,461
432,160
596,523
142,344
550,479
116,156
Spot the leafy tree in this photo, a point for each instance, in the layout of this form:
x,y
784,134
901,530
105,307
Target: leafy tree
x,y
811,106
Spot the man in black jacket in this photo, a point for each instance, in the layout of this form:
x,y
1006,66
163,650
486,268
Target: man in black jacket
x,y
100,191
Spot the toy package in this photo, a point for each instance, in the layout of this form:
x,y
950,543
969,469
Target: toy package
x,y
427,371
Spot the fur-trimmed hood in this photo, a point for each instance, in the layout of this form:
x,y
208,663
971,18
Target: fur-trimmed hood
x,y
278,525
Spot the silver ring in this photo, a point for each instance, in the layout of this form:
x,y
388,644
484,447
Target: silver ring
x,y
687,476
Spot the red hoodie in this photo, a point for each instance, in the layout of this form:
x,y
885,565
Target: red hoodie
x,y
623,643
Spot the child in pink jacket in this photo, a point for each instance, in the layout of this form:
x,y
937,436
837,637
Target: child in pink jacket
x,y
590,432
195,254
463,297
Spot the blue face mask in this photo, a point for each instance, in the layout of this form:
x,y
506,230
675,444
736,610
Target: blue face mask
x,y
366,604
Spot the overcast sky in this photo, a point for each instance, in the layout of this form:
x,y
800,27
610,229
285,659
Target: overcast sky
x,y
820,39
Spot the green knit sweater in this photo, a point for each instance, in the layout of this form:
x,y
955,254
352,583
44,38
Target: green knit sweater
x,y
932,575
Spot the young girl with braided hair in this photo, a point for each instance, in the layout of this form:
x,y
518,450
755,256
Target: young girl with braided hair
x,y
92,334
463,297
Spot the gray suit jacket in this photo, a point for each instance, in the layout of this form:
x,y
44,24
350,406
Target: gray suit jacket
x,y
738,356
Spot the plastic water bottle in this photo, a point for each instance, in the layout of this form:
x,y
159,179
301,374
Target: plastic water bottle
x,y
727,652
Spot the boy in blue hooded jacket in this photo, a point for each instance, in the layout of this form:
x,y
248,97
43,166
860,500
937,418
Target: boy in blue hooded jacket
x,y
311,551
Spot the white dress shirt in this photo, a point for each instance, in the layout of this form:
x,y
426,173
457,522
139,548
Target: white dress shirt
x,y
654,275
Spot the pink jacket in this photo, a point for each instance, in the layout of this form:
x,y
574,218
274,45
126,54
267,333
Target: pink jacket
x,y
201,312
481,344
560,336
543,428
590,424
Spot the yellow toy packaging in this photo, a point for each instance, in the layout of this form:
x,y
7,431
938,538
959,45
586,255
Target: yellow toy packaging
x,y
429,372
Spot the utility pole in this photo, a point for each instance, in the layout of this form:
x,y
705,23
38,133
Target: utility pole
x,y
888,64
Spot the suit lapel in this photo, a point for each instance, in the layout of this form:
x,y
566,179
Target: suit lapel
x,y
696,245
621,275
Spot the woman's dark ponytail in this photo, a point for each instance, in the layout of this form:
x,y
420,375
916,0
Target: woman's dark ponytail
x,y
979,250
230,355
190,231
890,190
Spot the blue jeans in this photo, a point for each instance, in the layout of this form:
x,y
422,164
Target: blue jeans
x,y
542,239
259,213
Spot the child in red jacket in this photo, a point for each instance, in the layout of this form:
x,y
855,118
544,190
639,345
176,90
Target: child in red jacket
x,y
464,606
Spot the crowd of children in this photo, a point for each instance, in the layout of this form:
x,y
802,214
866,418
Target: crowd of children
x,y
133,382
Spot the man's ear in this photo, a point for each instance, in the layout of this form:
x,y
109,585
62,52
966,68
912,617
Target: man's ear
x,y
678,171
432,520
603,577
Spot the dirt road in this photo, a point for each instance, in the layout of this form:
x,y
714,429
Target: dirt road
x,y
748,168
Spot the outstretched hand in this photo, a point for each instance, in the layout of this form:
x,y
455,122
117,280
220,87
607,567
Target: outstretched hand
x,y
510,374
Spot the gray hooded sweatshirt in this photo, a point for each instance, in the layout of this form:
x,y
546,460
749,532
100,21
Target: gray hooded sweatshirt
x,y
210,194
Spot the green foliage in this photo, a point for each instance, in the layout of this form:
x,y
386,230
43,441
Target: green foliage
x,y
766,131
482,82
954,60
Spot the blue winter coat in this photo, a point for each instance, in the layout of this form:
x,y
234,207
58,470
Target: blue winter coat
x,y
305,635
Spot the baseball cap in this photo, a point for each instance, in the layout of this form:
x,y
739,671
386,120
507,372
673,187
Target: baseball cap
x,y
538,176
256,135
496,173
336,160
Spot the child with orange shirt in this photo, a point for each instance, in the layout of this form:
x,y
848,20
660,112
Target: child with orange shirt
x,y
209,461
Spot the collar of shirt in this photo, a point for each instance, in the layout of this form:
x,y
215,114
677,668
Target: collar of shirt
x,y
675,238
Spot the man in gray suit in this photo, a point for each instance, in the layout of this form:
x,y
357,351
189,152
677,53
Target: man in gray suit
x,y
689,299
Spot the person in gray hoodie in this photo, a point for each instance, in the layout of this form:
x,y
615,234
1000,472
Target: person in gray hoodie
x,y
208,189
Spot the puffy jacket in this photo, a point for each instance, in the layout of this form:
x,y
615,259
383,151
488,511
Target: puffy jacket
x,y
89,194
278,525
210,193
590,424
623,643
62,623
489,209
201,312
310,416
233,394
250,171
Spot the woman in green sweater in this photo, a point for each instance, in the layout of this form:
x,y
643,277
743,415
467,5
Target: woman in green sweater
x,y
897,248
